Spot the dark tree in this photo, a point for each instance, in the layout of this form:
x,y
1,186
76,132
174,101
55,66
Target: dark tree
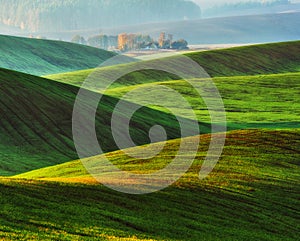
x,y
180,44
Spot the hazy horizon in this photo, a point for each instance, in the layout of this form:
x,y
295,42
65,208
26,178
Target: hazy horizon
x,y
211,3
87,18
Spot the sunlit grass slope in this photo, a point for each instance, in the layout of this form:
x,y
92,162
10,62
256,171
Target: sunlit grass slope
x,y
36,122
250,101
41,57
252,194
249,60
269,100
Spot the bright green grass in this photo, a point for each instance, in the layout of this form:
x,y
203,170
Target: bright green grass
x,y
36,122
252,194
249,60
266,100
41,57
250,101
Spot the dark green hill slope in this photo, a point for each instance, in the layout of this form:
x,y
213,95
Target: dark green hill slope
x,y
41,57
36,122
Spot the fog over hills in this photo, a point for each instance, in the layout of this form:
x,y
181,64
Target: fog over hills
x,y
251,8
238,29
56,15
65,19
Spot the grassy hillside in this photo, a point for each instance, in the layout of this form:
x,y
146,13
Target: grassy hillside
x,y
250,101
265,99
252,194
249,60
41,57
36,122
36,114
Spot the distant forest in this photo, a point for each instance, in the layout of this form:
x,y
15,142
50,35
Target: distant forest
x,y
57,15
126,42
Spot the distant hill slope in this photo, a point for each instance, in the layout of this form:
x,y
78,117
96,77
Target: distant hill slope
x,y
36,122
252,194
251,8
238,29
41,57
270,58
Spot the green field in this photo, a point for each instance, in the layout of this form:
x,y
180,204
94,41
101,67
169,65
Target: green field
x,y
36,122
41,57
264,99
252,194
263,93
240,61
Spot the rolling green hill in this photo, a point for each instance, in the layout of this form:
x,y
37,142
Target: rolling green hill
x,y
271,58
36,122
41,57
249,60
251,194
250,101
36,114
266,99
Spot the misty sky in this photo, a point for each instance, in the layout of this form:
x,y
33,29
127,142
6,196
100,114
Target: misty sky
x,y
209,3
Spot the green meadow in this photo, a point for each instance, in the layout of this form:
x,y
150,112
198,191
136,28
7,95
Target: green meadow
x,y
36,123
251,194
261,59
47,194
264,99
41,57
